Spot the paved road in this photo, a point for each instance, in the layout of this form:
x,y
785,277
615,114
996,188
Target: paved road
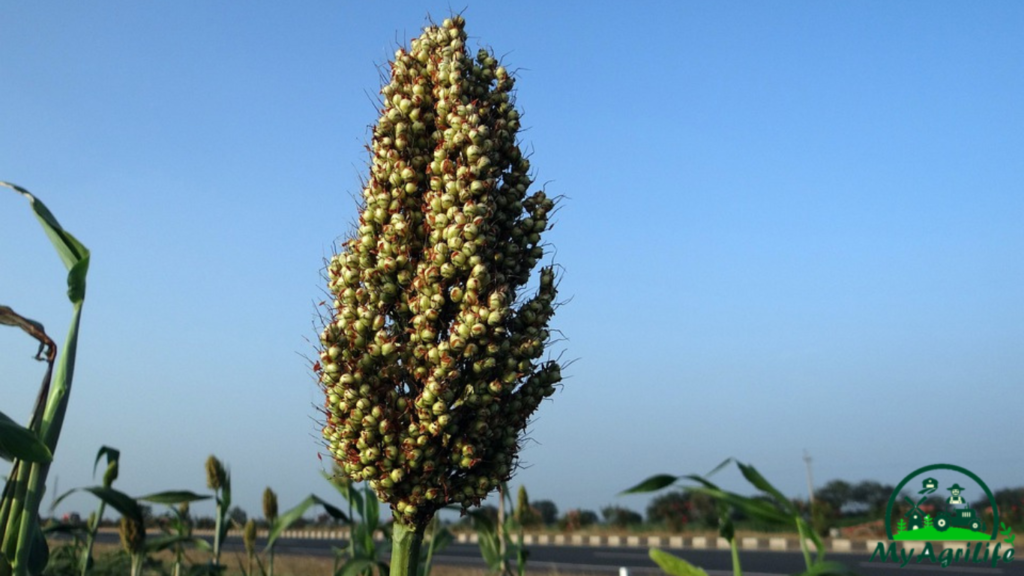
x,y
608,560
716,562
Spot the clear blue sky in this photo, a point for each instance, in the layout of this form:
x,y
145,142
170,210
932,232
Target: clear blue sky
x,y
791,226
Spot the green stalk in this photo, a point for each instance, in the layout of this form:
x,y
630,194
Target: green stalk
x,y
502,547
405,549
351,526
218,520
21,499
14,496
136,564
49,432
736,570
29,517
430,548
177,560
520,556
803,543
183,529
90,538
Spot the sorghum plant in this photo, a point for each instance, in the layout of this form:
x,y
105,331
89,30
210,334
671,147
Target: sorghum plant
x,y
430,359
31,448
133,540
218,480
270,515
776,509
249,541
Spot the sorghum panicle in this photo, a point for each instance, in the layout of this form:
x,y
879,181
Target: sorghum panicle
x,y
430,360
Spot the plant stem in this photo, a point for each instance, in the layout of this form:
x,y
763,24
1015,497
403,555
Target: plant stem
x,y
405,549
520,554
430,547
803,543
216,531
136,564
30,516
48,427
91,538
11,507
736,570
502,548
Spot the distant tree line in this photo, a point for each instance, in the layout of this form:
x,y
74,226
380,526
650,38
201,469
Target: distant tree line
x,y
836,503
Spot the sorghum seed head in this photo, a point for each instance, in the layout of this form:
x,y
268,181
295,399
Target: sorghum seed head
x,y
133,535
429,361
269,505
216,476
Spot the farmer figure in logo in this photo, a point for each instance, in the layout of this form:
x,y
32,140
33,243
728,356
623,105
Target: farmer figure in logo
x,y
956,499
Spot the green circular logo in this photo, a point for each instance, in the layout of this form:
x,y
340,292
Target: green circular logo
x,y
944,521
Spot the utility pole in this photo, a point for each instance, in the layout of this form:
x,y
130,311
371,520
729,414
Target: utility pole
x,y
810,481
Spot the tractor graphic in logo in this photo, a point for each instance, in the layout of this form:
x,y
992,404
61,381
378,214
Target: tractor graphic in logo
x,y
960,517
954,515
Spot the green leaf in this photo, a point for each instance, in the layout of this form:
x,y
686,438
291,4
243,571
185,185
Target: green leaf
x,y
656,482
72,252
750,506
703,481
118,500
482,522
371,509
165,542
724,463
334,511
344,487
441,540
225,491
21,443
112,454
675,565
490,552
521,555
39,551
224,504
172,497
284,521
61,498
804,528
726,529
759,482
487,538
